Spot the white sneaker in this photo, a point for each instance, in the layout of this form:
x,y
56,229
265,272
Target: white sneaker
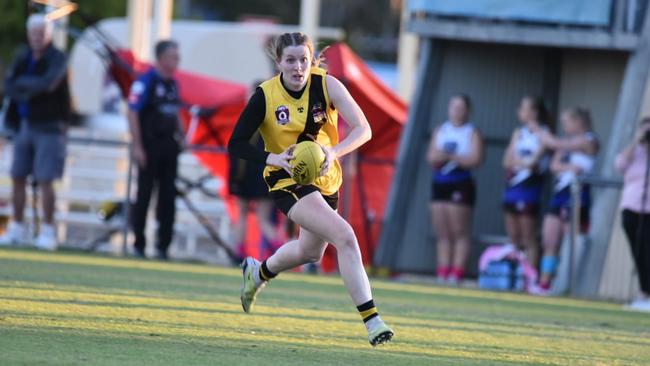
x,y
537,290
453,281
14,235
639,305
46,239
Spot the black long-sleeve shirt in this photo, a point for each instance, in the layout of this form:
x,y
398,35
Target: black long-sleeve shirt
x,y
250,121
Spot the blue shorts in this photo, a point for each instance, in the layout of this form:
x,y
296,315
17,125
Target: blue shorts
x,y
522,199
39,153
560,206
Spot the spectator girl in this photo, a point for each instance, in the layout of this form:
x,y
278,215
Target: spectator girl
x,y
455,149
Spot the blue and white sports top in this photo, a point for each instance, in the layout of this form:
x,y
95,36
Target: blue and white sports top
x,y
454,140
582,160
528,146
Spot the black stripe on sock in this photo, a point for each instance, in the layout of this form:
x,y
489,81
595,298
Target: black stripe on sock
x,y
365,320
368,311
265,273
366,306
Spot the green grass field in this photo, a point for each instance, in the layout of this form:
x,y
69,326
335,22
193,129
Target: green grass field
x,y
76,309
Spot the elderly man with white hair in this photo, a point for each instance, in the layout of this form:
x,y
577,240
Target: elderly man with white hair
x,y
39,108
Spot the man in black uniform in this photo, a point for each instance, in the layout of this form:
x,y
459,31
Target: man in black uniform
x,y
156,135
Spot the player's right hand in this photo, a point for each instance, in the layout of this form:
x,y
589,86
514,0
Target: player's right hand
x,y
281,160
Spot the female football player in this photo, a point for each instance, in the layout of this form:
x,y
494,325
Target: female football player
x,y
456,147
575,155
525,164
301,103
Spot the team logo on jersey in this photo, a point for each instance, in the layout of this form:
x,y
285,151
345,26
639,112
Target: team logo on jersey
x,y
301,109
457,196
160,90
450,147
282,115
320,117
137,88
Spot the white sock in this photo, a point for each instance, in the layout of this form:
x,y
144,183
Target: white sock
x,y
47,229
373,323
256,274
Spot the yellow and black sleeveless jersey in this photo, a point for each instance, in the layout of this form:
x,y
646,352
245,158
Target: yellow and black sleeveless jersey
x,y
284,118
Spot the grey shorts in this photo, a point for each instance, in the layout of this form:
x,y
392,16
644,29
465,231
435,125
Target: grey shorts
x,y
38,153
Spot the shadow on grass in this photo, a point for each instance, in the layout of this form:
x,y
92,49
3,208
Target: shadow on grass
x,y
516,330
135,348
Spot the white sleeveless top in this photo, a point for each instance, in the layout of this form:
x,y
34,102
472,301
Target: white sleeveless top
x,y
579,159
455,140
527,146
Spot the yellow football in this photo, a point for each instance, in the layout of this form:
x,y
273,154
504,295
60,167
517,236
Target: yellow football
x,y
308,157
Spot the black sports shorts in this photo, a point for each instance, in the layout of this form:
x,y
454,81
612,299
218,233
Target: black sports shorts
x,y
286,197
461,193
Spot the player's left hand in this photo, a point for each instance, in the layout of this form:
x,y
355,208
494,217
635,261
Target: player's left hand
x,y
330,156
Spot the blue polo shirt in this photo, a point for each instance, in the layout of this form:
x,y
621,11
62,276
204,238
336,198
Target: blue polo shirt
x,y
157,102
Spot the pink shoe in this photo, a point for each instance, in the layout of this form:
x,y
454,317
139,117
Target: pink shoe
x,y
540,290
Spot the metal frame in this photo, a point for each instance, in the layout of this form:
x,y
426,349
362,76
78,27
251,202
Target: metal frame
x,y
521,34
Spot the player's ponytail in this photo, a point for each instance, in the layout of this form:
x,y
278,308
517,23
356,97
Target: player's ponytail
x,y
539,106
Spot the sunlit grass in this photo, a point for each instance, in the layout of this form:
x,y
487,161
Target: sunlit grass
x,y
63,308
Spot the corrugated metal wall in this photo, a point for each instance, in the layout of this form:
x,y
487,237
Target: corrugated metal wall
x,y
592,79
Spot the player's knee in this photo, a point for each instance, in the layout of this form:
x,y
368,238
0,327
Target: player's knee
x,y
548,246
529,240
516,239
458,232
19,181
47,187
345,238
312,257
443,236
